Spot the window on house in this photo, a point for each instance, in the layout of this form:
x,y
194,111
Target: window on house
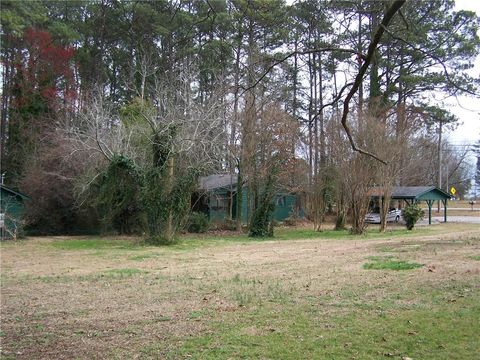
x,y
280,200
219,202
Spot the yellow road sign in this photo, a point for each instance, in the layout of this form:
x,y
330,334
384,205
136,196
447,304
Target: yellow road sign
x,y
453,190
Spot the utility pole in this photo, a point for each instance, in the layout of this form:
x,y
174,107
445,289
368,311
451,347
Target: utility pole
x,y
439,156
447,175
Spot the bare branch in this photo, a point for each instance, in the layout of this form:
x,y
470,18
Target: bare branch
x,y
301,52
331,103
359,78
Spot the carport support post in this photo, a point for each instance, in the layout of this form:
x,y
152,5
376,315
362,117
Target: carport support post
x,y
445,210
430,203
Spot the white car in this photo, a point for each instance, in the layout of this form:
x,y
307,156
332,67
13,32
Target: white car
x,y
393,215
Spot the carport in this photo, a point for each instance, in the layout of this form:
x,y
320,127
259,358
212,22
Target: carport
x,y
417,194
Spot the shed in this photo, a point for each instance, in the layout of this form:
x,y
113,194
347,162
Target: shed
x,y
11,210
416,194
217,196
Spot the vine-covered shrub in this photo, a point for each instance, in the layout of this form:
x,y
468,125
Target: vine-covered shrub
x,y
340,221
261,224
117,197
198,222
166,202
412,213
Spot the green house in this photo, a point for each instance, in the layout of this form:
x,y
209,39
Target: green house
x,y
217,197
11,211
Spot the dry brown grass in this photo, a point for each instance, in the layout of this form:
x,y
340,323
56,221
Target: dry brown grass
x,y
122,303
450,212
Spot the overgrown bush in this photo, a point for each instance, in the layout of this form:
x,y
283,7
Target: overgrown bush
x,y
226,225
340,221
291,221
166,203
117,196
412,213
261,224
198,222
49,180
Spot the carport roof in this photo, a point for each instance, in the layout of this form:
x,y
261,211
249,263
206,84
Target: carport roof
x,y
413,192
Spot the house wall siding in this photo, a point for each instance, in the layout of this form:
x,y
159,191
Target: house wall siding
x,y
219,206
13,207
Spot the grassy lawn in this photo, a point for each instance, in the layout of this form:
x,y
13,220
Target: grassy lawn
x,y
303,294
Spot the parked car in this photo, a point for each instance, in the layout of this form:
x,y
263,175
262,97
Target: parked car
x,y
393,215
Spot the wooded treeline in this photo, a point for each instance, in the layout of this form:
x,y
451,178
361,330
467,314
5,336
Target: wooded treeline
x,y
112,109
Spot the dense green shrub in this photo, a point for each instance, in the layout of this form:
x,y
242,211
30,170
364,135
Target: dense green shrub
x,y
261,224
117,196
198,222
340,221
166,203
412,213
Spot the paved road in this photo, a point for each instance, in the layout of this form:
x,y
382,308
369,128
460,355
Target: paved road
x,y
458,219
461,209
454,208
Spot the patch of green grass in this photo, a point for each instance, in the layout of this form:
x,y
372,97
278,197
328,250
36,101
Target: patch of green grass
x,y
124,272
63,279
292,234
475,257
389,263
195,315
94,244
314,332
191,242
53,278
380,258
143,256
400,248
254,291
164,318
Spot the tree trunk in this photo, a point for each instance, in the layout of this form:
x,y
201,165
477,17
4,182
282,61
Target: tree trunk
x,y
320,114
359,62
310,124
239,199
249,122
169,228
439,157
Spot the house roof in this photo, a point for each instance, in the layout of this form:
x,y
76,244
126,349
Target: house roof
x,y
13,192
412,192
217,181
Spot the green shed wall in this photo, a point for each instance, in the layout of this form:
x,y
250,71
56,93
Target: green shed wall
x,y
283,208
215,214
12,206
